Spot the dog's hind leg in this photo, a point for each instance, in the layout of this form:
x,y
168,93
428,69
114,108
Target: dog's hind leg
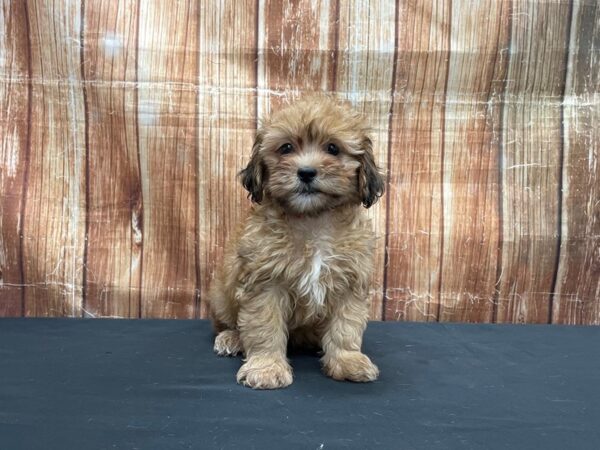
x,y
223,312
228,343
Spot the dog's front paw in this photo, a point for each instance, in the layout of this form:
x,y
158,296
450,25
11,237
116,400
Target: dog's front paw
x,y
265,372
228,343
350,365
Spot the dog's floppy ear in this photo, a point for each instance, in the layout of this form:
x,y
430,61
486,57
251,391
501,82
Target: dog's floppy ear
x,y
252,175
371,184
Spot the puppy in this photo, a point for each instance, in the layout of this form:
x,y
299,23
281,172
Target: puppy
x,y
300,266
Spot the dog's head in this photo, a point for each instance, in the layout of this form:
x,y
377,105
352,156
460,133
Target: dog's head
x,y
313,156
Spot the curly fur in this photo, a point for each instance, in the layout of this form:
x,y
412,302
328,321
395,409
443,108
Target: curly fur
x,y
300,265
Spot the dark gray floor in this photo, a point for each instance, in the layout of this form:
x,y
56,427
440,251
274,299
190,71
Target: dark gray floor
x,y
156,384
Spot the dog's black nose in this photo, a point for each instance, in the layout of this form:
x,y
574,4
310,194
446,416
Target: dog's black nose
x,y
307,174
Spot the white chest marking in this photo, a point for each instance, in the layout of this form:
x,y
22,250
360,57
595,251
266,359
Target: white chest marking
x,y
310,284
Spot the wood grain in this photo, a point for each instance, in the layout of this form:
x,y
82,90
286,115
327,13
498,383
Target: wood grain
x,y
414,229
167,66
365,60
123,125
54,219
472,146
114,209
531,160
15,98
577,293
227,124
296,50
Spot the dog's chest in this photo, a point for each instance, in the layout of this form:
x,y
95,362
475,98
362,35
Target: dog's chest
x,y
311,283
313,258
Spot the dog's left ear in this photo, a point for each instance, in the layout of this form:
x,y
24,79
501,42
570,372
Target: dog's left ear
x,y
371,184
252,176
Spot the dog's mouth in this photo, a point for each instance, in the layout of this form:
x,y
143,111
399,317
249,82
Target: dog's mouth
x,y
308,189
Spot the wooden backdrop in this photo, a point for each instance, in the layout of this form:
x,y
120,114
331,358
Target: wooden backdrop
x,y
123,124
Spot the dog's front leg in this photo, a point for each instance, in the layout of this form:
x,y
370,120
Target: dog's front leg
x,y
262,321
342,340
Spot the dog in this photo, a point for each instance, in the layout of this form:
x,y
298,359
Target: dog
x,y
300,266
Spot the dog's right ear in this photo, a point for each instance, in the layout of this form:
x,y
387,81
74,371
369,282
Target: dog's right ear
x,y
370,180
252,175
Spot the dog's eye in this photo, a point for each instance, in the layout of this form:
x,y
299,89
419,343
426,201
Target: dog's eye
x,y
286,148
333,149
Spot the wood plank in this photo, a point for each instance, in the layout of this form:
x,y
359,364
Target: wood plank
x,y
478,62
577,297
227,124
296,50
365,59
531,160
167,67
14,150
415,162
493,206
114,206
54,220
